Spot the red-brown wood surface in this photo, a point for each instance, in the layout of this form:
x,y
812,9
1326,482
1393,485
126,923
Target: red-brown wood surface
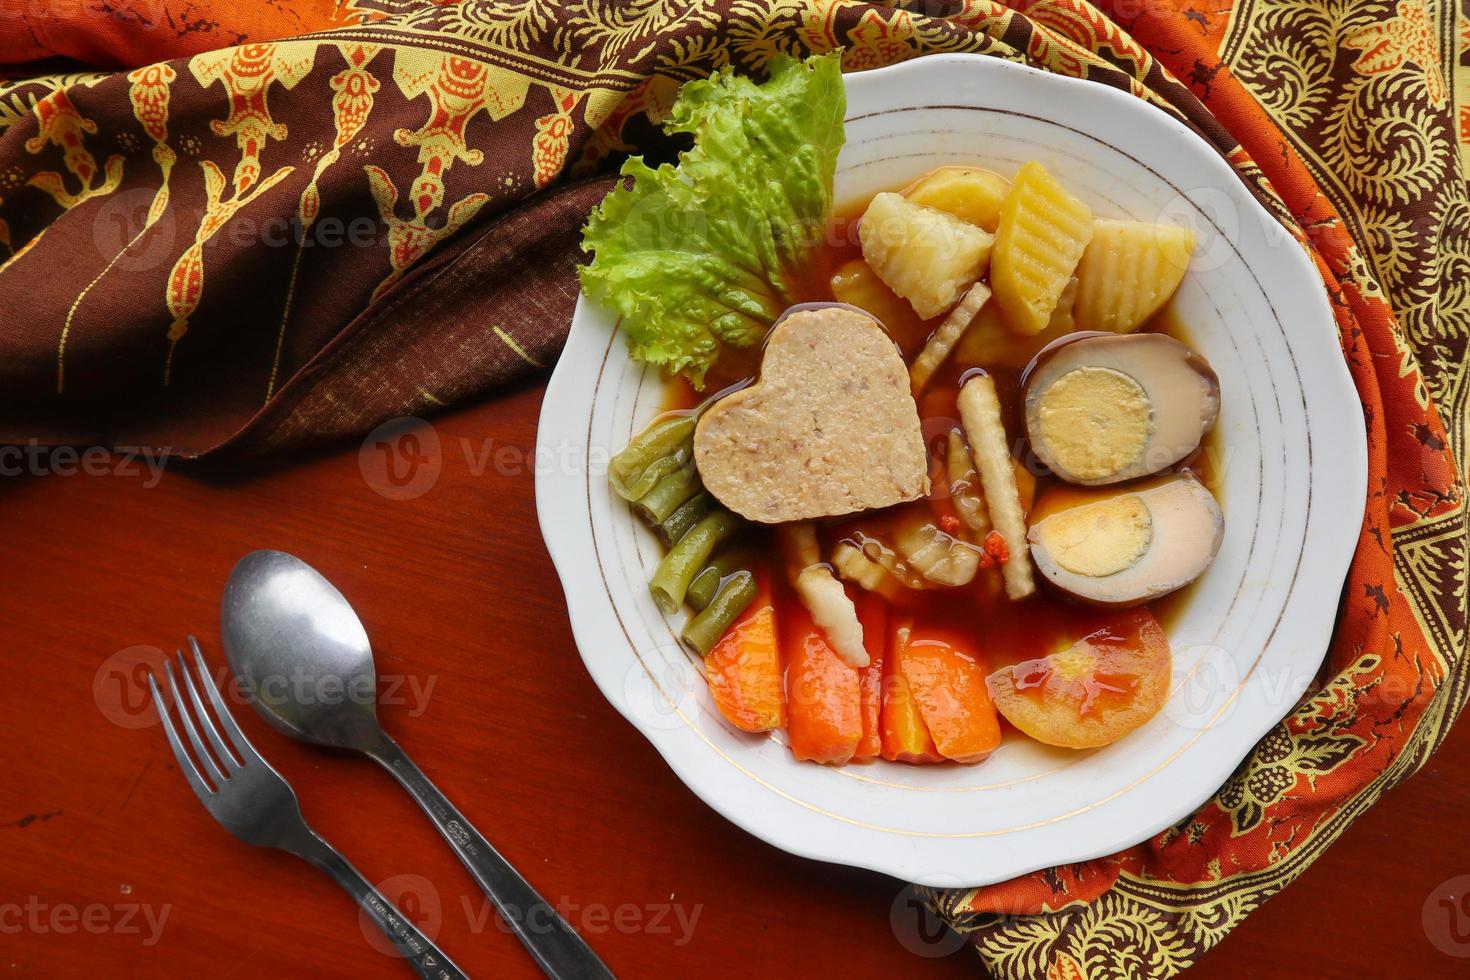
x,y
99,831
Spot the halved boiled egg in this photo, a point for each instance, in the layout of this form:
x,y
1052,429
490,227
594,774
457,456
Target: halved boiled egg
x,y
1104,408
1124,546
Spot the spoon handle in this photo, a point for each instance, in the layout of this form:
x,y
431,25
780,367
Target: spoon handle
x,y
556,947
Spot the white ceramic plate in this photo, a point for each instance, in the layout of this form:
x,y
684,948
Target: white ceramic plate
x,y
1250,638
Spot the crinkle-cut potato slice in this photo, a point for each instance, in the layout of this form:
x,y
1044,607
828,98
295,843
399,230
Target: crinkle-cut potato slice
x,y
968,193
926,256
938,348
1128,272
1042,234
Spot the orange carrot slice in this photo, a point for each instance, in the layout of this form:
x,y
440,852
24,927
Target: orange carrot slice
x,y
744,668
873,614
947,683
904,736
824,720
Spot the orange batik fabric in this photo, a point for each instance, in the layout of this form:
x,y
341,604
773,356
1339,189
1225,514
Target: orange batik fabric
x,y
469,141
123,34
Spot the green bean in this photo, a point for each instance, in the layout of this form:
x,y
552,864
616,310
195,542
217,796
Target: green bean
x,y
688,514
684,560
707,582
679,459
629,470
668,495
704,630
702,590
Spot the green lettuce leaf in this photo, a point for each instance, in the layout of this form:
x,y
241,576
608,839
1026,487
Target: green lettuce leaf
x,y
710,252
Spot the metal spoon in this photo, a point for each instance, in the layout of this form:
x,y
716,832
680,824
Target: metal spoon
x,y
304,656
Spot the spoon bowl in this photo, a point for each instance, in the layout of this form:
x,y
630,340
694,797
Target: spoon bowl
x,y
301,652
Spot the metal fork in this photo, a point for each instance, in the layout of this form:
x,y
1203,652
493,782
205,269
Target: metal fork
x,y
252,801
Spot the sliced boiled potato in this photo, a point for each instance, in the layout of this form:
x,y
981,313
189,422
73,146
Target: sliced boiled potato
x,y
856,284
1128,272
968,193
990,343
926,256
1064,314
1042,234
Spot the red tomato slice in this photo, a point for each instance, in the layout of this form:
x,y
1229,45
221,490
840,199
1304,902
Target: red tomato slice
x,y
1094,692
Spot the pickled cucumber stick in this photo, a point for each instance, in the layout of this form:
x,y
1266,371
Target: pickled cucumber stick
x,y
980,413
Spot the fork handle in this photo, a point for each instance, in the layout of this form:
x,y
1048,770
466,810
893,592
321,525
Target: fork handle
x,y
555,945
426,959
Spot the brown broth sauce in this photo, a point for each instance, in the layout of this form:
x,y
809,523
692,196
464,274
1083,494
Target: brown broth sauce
x,y
1004,632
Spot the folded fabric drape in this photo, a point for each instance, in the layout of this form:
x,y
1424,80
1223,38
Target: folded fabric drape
x,y
221,241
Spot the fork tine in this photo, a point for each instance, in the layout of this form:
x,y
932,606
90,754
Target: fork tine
x,y
186,765
221,753
188,722
227,720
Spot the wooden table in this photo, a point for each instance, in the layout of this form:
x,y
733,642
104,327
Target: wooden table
x,y
99,831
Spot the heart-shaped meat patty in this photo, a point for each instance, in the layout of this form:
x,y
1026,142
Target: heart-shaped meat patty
x,y
830,428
